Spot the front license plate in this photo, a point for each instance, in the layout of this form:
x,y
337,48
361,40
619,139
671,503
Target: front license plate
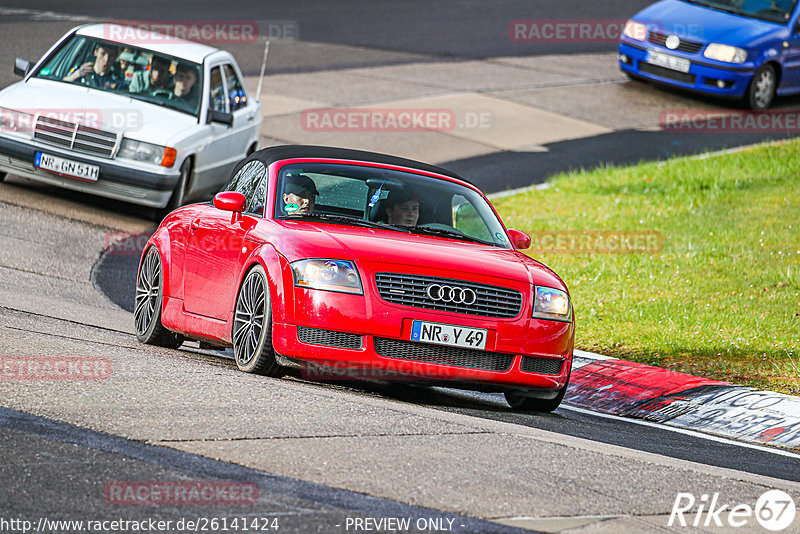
x,y
67,167
669,62
448,334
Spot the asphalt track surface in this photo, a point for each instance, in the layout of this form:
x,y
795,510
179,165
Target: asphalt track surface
x,y
86,457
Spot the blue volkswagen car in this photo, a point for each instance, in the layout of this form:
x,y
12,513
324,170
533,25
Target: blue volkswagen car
x,y
748,49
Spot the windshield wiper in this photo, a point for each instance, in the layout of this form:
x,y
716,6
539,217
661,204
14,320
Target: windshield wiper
x,y
355,221
455,234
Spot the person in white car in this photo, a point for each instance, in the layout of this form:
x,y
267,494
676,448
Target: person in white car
x,y
155,79
100,72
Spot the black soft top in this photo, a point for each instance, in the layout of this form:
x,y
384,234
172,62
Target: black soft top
x,y
278,153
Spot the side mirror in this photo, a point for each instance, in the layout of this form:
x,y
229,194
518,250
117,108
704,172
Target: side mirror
x,y
221,117
519,239
22,67
230,201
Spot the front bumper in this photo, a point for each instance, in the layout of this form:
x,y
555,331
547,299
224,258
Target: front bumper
x,y
347,337
115,181
703,76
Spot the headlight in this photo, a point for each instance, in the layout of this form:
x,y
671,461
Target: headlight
x,y
635,30
549,303
329,275
726,53
147,153
15,121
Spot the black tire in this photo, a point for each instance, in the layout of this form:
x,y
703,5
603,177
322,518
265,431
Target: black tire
x,y
179,193
147,309
761,91
521,403
252,326
2,176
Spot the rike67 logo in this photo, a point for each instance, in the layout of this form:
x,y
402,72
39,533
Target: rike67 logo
x,y
774,511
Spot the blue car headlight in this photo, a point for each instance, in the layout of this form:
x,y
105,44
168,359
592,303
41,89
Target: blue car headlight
x,y
726,53
552,304
635,30
329,275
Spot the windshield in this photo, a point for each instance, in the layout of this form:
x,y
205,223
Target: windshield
x,y
128,70
380,198
770,10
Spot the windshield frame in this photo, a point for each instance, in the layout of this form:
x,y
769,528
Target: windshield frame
x,y
733,11
93,42
277,170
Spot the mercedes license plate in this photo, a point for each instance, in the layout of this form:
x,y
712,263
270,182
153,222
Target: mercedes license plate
x,y
669,62
67,167
448,334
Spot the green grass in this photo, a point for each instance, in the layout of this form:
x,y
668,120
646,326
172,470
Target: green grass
x,y
720,298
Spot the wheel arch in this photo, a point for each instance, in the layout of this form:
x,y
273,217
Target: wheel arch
x,y
273,263
161,241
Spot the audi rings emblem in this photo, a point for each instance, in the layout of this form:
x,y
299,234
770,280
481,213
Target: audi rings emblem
x,y
456,295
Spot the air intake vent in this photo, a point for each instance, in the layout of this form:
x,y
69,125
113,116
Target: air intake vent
x,y
457,357
329,338
542,366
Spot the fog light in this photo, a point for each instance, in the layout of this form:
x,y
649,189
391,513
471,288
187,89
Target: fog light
x,y
625,59
721,84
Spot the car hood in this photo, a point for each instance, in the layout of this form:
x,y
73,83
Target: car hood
x,y
375,246
703,24
136,119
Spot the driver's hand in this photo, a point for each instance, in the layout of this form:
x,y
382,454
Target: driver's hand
x,y
86,68
82,71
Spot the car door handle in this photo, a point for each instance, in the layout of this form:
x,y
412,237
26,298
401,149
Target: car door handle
x,y
251,117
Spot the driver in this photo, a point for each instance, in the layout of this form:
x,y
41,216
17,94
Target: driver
x,y
402,207
155,79
299,194
100,72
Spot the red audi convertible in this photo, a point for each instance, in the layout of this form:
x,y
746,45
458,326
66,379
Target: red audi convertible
x,y
364,265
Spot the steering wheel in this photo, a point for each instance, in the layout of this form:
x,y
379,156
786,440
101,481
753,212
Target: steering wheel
x,y
440,226
163,93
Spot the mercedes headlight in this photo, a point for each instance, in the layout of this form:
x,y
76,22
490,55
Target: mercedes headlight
x,y
552,304
147,153
328,275
726,53
15,121
635,30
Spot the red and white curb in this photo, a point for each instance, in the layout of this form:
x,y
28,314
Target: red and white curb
x,y
620,387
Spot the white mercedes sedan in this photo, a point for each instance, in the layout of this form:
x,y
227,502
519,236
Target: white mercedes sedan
x,y
130,115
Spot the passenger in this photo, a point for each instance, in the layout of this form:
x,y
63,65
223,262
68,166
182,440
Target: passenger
x,y
126,66
158,78
184,92
299,194
402,207
100,72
